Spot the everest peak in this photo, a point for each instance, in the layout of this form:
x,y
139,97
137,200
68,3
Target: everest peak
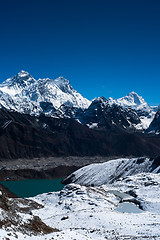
x,y
17,82
24,94
23,73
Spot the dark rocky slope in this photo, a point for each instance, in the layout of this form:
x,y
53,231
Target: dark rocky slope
x,y
25,136
13,210
103,115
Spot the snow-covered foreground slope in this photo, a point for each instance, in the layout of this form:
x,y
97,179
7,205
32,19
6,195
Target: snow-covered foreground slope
x,y
108,172
128,208
83,213
91,212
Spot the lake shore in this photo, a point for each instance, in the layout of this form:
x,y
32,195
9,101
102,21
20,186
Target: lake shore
x,y
44,168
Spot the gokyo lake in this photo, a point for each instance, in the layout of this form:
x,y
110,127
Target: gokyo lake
x,y
30,188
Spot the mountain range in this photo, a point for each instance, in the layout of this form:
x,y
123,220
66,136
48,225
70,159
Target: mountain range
x,y
57,98
24,94
48,117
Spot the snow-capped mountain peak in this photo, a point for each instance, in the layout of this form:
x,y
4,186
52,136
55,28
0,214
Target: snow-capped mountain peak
x,y
57,98
139,105
61,80
23,73
132,100
57,81
24,94
15,84
63,84
100,100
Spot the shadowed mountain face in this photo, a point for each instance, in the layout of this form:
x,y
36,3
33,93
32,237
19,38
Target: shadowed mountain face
x,y
155,124
25,136
103,115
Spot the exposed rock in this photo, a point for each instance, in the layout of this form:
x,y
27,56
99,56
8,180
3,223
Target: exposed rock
x,y
11,210
37,226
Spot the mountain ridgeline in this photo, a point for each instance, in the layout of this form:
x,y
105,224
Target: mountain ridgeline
x,y
48,117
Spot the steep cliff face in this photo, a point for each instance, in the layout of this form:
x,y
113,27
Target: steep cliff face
x,y
101,114
137,103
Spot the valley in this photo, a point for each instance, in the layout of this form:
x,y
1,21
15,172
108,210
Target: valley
x,y
106,150
49,118
44,168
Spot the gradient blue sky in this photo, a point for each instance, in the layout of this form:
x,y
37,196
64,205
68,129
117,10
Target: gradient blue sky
x,y
105,48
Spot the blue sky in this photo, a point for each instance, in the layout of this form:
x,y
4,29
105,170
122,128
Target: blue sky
x,y
105,48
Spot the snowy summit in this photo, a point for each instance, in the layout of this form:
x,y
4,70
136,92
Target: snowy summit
x,y
24,94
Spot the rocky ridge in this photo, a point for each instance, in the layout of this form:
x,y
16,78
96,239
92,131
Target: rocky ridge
x,y
26,136
16,216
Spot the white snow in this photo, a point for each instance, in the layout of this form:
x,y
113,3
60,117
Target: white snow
x,y
104,173
24,94
91,212
87,212
145,122
136,102
92,125
133,100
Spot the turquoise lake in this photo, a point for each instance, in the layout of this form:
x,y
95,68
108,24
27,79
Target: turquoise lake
x,y
30,188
